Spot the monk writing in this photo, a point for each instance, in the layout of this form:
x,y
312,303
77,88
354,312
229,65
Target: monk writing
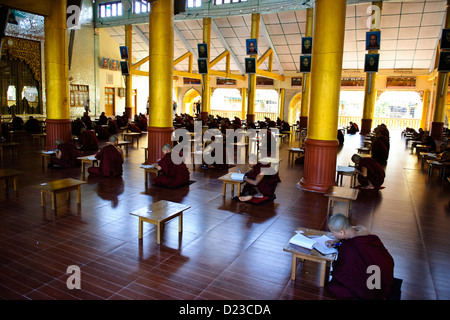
x,y
66,155
258,182
370,172
171,175
110,159
358,251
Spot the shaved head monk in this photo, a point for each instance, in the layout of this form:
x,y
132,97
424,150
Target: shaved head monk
x,y
360,253
110,159
66,155
171,175
259,184
370,172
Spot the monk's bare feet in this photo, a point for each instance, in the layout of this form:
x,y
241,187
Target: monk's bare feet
x,y
245,198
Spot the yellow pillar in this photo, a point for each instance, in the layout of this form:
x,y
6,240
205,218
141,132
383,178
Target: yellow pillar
x,y
244,100
252,77
161,29
306,76
281,102
57,74
321,142
128,78
423,119
437,123
369,87
206,92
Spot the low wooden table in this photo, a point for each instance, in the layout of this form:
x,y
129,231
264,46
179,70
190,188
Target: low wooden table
x,y
90,160
426,156
342,171
148,171
5,174
45,156
132,136
441,166
422,148
293,152
341,194
126,144
59,186
311,255
8,145
159,213
40,137
227,180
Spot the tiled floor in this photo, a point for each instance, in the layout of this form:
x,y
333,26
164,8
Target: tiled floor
x,y
228,250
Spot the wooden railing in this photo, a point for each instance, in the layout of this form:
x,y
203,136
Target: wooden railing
x,y
231,114
391,123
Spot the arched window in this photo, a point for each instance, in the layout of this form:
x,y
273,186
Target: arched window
x,y
399,104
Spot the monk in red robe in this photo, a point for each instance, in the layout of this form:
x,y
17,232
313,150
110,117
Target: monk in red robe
x,y
171,175
65,156
380,150
88,140
370,173
260,182
364,269
110,159
134,128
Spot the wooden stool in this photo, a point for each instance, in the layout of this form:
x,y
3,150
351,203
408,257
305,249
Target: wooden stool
x,y
159,213
59,186
9,173
227,180
293,152
341,194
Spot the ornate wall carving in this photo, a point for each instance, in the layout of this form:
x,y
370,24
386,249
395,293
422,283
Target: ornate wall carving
x,y
28,51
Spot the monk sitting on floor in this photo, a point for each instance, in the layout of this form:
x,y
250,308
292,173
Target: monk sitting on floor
x,y
110,159
370,172
66,156
171,175
260,182
88,140
359,250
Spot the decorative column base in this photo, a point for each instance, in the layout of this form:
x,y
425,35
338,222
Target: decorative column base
x,y
58,129
320,165
157,137
204,116
436,130
366,126
250,118
303,121
129,113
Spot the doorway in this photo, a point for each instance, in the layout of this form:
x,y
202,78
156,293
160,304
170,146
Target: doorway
x,y
110,109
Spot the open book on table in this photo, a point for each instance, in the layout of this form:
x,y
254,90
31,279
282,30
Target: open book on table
x,y
237,176
317,243
147,166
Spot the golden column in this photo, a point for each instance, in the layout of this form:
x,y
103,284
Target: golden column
x,y
321,143
423,119
206,92
370,93
252,77
161,29
128,78
57,75
244,100
281,102
437,123
306,76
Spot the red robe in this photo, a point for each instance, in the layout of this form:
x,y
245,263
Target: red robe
x,y
350,272
380,151
88,140
110,162
375,172
266,186
69,155
134,128
171,175
112,127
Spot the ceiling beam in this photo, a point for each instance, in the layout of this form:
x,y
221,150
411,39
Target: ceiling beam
x,y
186,43
226,46
265,33
141,35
